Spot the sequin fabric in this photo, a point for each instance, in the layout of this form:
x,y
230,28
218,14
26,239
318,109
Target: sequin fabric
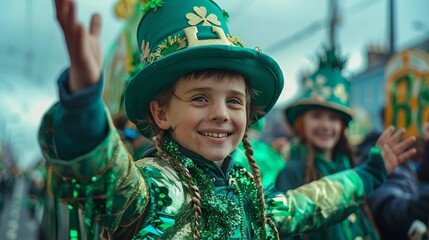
x,y
152,194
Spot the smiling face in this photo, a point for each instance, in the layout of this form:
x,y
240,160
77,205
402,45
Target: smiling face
x,y
323,129
206,115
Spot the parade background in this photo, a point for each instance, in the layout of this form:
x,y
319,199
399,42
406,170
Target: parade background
x,y
33,53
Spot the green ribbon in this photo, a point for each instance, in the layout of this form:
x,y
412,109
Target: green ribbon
x,y
89,216
74,230
110,191
58,191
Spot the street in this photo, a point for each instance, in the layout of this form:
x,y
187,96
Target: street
x,y
15,220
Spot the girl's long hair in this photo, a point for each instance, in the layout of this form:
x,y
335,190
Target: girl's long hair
x,y
343,146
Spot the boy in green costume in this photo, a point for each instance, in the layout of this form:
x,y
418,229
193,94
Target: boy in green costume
x,y
197,94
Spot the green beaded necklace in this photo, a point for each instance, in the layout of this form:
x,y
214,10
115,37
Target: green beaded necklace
x,y
221,215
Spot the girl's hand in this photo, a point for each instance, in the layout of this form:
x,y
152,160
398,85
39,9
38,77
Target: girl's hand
x,y
83,46
393,149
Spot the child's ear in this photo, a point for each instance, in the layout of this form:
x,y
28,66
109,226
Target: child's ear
x,y
159,115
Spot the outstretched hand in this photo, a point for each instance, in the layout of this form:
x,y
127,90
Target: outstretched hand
x,y
394,149
83,46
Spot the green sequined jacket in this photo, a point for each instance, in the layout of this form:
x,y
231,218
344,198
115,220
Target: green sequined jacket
x,y
148,199
357,225
269,161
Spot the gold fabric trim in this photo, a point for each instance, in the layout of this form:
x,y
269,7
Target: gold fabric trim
x,y
130,163
49,179
235,41
130,201
145,193
145,51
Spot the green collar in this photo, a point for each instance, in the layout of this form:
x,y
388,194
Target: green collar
x,y
222,215
219,175
326,167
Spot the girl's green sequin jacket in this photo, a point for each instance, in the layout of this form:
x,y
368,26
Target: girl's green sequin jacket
x,y
356,226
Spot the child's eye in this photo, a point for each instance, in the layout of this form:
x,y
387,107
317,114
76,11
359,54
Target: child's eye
x,y
199,99
334,117
316,114
235,101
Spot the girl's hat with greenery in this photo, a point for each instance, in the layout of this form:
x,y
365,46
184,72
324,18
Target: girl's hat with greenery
x,y
324,89
177,37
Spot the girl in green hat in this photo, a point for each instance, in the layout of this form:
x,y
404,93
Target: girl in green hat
x,y
319,119
197,94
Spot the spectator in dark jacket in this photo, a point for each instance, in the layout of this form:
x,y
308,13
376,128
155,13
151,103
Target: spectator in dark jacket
x,y
423,169
400,206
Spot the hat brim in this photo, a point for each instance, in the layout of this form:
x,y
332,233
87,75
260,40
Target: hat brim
x,y
299,107
261,71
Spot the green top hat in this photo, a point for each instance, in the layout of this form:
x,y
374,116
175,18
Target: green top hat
x,y
324,89
179,37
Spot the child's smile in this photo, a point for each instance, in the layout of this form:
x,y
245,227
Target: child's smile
x,y
208,116
215,135
323,128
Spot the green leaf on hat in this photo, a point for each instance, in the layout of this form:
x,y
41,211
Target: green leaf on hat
x,y
152,4
225,15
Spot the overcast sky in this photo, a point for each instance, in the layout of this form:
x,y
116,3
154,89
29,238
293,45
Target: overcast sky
x,y
32,51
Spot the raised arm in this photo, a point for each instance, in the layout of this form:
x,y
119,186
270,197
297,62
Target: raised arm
x,y
88,166
83,46
332,198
